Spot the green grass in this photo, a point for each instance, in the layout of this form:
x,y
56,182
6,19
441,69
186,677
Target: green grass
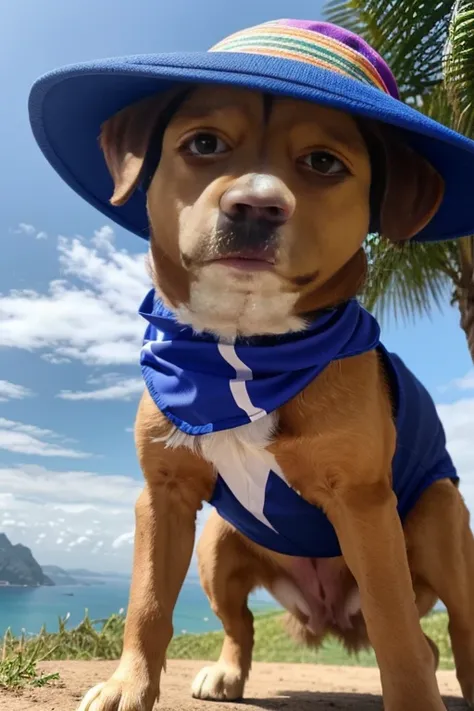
x,y
19,663
89,640
272,644
103,640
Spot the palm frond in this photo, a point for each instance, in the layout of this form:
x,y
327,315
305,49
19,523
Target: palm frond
x,y
459,66
411,279
429,45
348,14
410,36
436,104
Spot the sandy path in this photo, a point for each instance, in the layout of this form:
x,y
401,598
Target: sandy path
x,y
297,687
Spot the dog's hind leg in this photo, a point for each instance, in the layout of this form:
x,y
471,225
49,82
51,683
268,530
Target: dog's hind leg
x,y
441,554
228,573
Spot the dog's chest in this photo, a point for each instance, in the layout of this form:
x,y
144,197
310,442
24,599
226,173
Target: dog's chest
x,y
253,493
242,459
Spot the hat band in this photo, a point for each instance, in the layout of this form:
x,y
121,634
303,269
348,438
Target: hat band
x,y
303,46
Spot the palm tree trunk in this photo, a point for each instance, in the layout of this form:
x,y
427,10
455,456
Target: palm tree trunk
x,y
466,307
465,290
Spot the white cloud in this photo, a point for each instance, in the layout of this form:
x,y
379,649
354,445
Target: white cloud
x,y
55,359
465,383
99,504
12,391
21,438
78,542
30,230
100,515
90,314
25,229
104,238
71,491
124,390
458,421
124,539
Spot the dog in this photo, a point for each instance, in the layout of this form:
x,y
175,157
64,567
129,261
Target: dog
x,y
258,207
302,177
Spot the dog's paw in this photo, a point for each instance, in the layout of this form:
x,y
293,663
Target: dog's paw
x,y
218,683
117,695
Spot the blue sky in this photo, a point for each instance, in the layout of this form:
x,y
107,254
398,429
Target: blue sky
x,y
70,286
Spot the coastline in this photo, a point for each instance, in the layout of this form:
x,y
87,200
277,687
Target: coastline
x,y
27,609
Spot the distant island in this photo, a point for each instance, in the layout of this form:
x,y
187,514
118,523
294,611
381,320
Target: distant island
x,y
19,567
94,575
81,576
58,575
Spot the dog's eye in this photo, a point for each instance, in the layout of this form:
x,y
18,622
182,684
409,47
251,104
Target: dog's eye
x,y
206,144
324,163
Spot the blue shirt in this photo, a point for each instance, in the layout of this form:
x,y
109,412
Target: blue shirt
x,y
203,386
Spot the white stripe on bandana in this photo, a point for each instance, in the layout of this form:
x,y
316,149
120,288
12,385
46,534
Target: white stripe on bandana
x,y
238,385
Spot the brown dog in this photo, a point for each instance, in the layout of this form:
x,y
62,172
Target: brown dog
x,y
308,169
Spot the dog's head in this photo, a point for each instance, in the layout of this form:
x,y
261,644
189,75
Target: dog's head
x,y
259,205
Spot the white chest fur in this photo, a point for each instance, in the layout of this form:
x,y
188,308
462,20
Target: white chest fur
x,y
241,457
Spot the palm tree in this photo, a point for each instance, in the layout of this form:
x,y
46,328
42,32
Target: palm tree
x,y
429,45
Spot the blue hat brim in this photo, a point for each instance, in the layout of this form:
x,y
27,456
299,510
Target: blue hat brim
x,y
68,106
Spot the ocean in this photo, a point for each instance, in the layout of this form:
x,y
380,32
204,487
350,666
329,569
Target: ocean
x,y
29,608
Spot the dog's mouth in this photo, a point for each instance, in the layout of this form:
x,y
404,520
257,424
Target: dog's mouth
x,y
251,260
245,244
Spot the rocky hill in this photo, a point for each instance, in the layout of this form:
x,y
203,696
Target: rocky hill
x,y
18,566
58,575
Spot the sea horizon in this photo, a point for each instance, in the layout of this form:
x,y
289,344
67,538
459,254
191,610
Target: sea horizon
x,y
27,609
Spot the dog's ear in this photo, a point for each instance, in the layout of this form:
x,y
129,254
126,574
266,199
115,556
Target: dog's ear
x,y
125,139
413,191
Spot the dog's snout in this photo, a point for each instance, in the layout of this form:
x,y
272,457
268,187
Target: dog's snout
x,y
258,197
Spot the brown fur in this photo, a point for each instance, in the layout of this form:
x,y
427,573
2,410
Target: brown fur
x,y
335,441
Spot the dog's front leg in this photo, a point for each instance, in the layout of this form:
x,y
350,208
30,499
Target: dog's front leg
x,y
164,538
372,542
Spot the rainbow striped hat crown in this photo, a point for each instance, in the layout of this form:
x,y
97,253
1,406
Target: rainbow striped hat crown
x,y
320,44
305,60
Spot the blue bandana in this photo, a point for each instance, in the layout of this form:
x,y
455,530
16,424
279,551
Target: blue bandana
x,y
204,386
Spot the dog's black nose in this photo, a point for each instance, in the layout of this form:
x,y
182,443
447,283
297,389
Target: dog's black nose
x,y
258,197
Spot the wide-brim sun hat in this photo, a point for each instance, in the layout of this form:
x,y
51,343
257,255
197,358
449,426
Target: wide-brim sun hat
x,y
311,61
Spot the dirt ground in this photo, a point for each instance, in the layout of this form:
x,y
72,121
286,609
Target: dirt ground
x,y
293,687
